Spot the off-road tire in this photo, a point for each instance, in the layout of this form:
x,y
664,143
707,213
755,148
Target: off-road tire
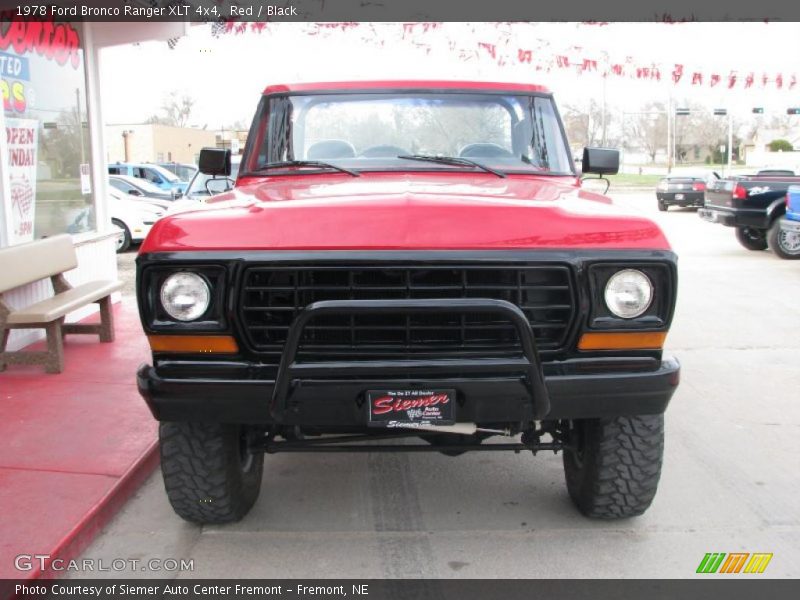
x,y
209,477
662,206
752,239
777,243
614,472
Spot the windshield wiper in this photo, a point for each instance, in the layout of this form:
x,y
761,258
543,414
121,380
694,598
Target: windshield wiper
x,y
307,163
452,160
540,169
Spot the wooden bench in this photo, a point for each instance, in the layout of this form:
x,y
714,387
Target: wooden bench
x,y
33,261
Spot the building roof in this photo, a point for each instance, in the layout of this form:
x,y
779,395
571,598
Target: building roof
x,y
479,86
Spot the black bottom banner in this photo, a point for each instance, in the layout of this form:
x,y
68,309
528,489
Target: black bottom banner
x,y
407,589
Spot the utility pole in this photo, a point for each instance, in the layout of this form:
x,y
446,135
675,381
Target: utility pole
x,y
603,144
80,122
674,137
670,119
730,142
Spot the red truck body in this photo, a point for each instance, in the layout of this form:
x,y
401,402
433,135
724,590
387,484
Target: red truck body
x,y
407,259
387,211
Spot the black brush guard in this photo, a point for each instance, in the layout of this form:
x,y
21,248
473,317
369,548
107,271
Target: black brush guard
x,y
292,373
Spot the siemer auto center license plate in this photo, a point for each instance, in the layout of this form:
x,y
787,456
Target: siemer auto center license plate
x,y
396,408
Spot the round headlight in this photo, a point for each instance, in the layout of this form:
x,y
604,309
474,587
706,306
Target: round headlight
x,y
628,293
185,296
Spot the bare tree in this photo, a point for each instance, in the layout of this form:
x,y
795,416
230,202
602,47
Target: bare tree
x,y
585,124
647,128
175,110
710,131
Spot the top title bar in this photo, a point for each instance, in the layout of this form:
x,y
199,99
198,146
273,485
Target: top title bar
x,y
673,11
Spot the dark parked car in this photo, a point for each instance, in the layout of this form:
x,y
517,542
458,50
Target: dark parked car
x,y
775,173
682,190
753,205
139,187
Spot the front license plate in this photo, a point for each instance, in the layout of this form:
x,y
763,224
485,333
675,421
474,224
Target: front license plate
x,y
678,196
402,408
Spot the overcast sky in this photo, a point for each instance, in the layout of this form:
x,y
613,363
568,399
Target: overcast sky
x,y
226,74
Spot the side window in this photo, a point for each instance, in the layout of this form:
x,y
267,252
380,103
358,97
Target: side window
x,y
124,186
152,176
139,172
114,170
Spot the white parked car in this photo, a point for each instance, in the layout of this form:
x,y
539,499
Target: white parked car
x,y
134,217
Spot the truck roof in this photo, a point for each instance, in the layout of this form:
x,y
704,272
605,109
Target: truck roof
x,y
468,86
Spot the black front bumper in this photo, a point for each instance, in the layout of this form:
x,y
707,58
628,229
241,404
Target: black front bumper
x,y
330,395
735,217
576,389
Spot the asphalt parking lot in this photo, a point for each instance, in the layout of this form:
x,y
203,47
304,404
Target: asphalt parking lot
x,y
729,482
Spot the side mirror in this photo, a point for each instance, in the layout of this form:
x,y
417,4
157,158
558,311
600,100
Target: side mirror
x,y
600,161
215,162
134,192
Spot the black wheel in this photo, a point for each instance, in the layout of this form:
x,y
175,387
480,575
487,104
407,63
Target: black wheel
x,y
124,241
613,470
209,473
662,206
785,244
752,239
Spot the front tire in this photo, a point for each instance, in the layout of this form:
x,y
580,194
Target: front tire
x,y
752,239
785,244
125,240
209,474
612,471
662,206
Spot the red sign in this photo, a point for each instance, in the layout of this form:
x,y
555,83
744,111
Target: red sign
x,y
55,41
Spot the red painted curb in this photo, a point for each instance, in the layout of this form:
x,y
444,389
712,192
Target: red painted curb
x,y
79,538
84,532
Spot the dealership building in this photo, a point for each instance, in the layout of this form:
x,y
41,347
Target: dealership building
x,y
53,176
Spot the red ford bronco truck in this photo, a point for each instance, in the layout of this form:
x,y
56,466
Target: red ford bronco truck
x,y
407,266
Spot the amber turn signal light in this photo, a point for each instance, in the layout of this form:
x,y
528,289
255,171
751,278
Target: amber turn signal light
x,y
633,340
193,344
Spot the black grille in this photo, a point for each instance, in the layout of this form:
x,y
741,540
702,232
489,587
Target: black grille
x,y
271,297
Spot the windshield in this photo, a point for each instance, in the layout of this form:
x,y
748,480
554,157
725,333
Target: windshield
x,y
185,172
510,133
165,173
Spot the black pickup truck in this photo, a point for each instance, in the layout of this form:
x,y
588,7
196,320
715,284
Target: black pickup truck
x,y
754,205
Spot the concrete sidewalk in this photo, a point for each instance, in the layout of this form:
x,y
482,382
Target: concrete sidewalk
x,y
74,446
729,482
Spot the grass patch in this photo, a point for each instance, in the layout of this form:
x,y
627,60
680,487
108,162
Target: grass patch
x,y
634,180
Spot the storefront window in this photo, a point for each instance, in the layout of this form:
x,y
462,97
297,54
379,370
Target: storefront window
x,y
43,85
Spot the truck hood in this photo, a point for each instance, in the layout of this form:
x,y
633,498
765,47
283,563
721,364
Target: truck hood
x,y
411,211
